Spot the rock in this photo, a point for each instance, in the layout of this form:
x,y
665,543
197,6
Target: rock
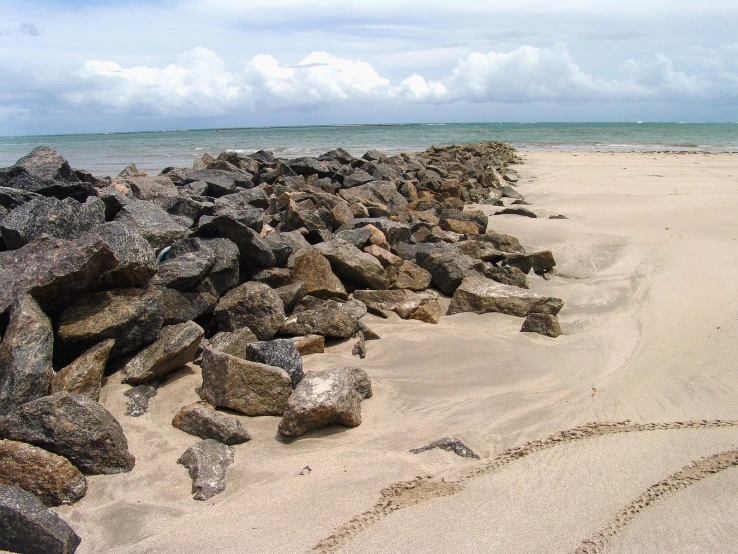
x,y
25,356
450,444
45,172
481,295
460,227
11,198
73,426
400,301
133,317
207,462
358,237
506,275
543,262
327,398
151,222
224,273
429,311
137,258
502,242
180,307
291,295
329,319
285,245
480,250
358,177
543,324
64,219
275,277
27,526
114,197
84,375
53,479
52,270
412,277
521,261
359,348
233,342
201,419
448,269
516,211
186,266
314,271
139,396
279,353
559,216
509,192
351,263
252,305
145,187
175,346
248,387
255,252
309,344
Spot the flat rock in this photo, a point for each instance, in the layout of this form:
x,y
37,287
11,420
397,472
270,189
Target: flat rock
x,y
411,276
449,444
84,375
543,324
73,426
329,319
233,343
348,262
201,419
517,211
279,353
309,344
139,396
207,462
254,251
448,269
27,526
151,222
331,397
53,479
137,258
252,305
314,271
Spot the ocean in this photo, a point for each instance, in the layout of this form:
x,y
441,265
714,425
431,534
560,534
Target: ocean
x,y
109,153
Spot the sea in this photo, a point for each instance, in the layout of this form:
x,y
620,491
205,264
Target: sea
x,y
109,153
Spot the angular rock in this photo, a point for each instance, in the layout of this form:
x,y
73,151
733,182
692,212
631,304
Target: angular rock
x,y
255,252
285,245
201,419
186,266
358,237
309,344
480,250
279,353
248,387
139,396
429,311
314,271
517,211
207,462
412,277
274,276
25,356
45,172
175,346
509,192
27,526
543,262
233,342
331,397
481,295
329,319
145,187
73,426
451,445
291,295
225,273
350,263
180,307
400,301
448,269
506,275
151,222
502,242
137,258
84,375
11,198
252,305
543,324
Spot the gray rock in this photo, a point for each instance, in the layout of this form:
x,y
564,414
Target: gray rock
x,y
139,396
73,426
151,222
255,252
279,353
207,462
502,242
45,172
358,237
506,275
84,375
25,356
314,271
291,295
27,526
451,445
328,318
517,211
543,324
448,269
201,419
358,177
252,305
350,263
186,266
137,258
331,397
11,198
233,343
273,276
543,262
509,192
113,199
220,182
284,245
145,187
180,307
481,250
225,273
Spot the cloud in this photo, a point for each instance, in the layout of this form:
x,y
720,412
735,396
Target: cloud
x,y
24,29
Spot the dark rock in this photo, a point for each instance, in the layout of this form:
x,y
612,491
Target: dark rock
x,y
502,242
11,198
411,276
359,348
356,178
480,250
252,305
543,262
314,271
235,207
302,215
516,211
273,276
328,318
45,172
331,397
145,187
225,273
509,192
358,237
207,462
279,353
350,263
139,396
84,375
220,182
137,258
73,426
255,252
285,245
27,526
521,261
448,269
113,199
506,275
450,444
180,307
151,222
559,216
186,266
291,295
543,324
201,419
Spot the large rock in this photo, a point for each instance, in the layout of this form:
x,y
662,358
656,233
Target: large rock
x,y
54,271
180,307
543,324
12,198
25,356
309,344
314,270
448,269
248,387
502,242
225,272
84,375
351,263
201,419
132,317
53,479
145,187
285,245
27,526
207,462
186,266
329,319
481,295
255,252
507,275
137,258
233,342
45,172
175,346
73,426
399,301
331,397
151,222
252,305
279,353
64,219
412,277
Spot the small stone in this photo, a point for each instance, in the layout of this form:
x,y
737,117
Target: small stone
x,y
201,419
139,396
517,211
359,348
450,444
543,324
207,462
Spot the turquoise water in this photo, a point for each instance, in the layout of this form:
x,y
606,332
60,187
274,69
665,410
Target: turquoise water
x,y
108,154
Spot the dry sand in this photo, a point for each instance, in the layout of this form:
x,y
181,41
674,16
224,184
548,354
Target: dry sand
x,y
648,268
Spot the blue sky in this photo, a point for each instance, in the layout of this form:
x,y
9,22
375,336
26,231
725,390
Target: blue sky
x,y
92,66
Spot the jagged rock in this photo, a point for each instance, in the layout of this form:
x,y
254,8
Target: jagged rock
x,y
285,245
543,324
291,295
11,198
401,301
114,197
506,275
225,272
145,187
309,344
481,295
393,231
230,206
151,222
201,419
329,319
429,311
502,242
302,215
509,192
84,375
358,177
73,426
25,355
480,250
175,346
412,277
64,219
543,262
45,172
521,261
448,269
132,317
180,307
248,387
350,263
517,211
391,263
327,398
186,266
358,237
359,348
27,526
53,479
252,305
233,342
207,462
275,277
314,271
450,444
137,258
53,270
279,353
255,252
139,396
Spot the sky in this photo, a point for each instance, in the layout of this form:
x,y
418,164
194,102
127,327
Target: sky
x,y
79,66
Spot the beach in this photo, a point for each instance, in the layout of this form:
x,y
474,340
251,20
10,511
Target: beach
x,y
646,265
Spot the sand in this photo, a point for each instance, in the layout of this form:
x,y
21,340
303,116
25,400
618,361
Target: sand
x,y
648,267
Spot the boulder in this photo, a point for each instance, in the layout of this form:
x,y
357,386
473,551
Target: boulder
x,y
84,375
506,275
502,242
448,269
139,396
350,263
279,353
285,245
137,258
517,211
378,301
480,250
508,192
201,419
175,346
145,187
358,237
186,266
411,276
309,344
221,181
224,274
45,172
481,295
254,251
207,462
25,356
53,479
180,307
233,342
274,276
27,526
429,311
314,271
73,426
542,262
329,319
543,324
248,387
252,305
331,397
11,198
151,222
291,295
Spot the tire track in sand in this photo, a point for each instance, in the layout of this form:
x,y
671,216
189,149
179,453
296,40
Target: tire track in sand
x,y
425,487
